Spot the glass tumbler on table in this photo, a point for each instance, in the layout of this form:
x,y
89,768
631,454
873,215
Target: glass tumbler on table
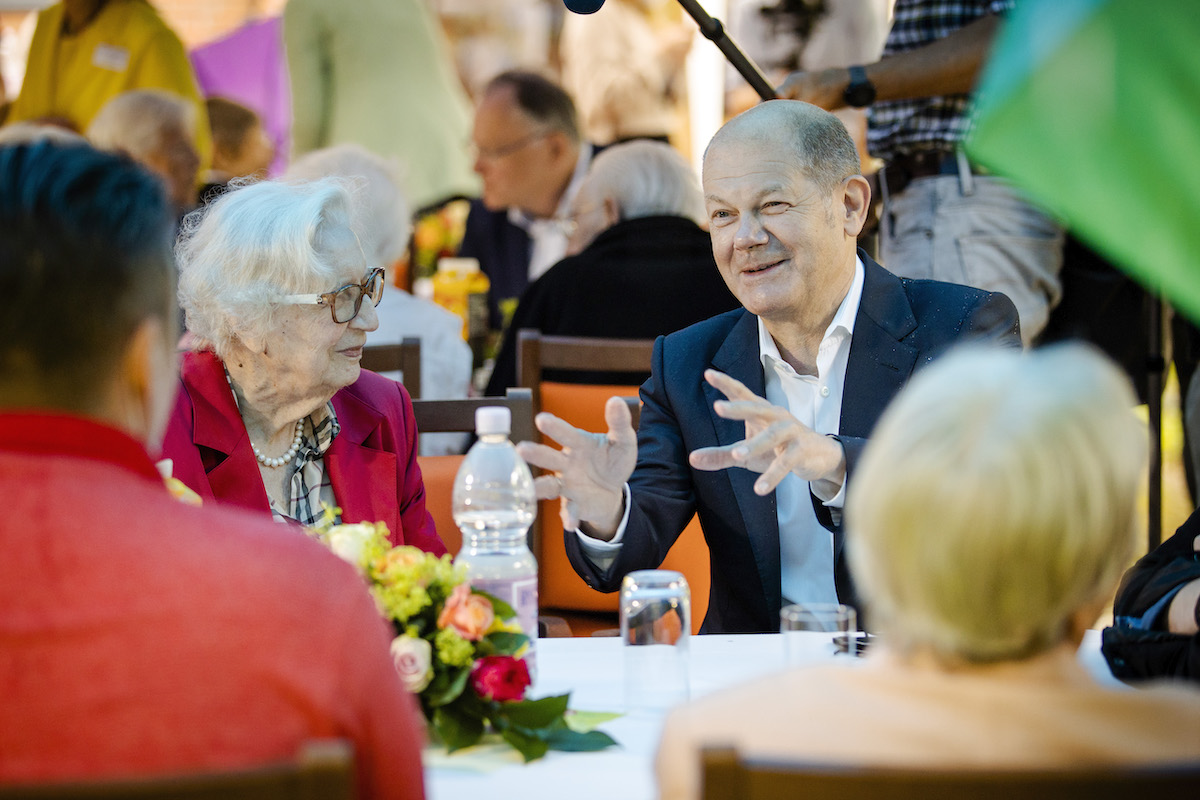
x,y
817,631
656,626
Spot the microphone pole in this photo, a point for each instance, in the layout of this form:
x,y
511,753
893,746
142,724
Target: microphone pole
x,y
714,31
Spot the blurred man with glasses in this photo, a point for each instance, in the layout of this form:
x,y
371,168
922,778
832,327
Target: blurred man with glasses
x,y
529,154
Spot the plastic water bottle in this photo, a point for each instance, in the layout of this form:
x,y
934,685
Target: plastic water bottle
x,y
494,504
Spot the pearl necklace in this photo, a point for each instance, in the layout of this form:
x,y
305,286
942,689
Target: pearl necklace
x,y
287,457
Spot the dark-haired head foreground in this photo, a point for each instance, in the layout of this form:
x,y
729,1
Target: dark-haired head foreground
x,y
142,635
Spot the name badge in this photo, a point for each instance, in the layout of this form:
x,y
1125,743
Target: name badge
x,y
111,57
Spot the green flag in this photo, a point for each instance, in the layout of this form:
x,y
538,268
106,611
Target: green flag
x,y
1093,107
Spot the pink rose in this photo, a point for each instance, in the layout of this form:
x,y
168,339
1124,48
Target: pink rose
x,y
470,615
412,657
399,559
500,678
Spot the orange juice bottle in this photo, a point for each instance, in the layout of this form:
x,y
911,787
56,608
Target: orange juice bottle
x,y
460,287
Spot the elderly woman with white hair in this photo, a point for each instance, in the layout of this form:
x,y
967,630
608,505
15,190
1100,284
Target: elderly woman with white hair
x,y
380,217
274,412
990,519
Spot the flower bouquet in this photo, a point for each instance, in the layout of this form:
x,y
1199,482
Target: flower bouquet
x,y
458,649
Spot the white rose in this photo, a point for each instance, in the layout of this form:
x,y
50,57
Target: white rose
x,y
350,541
412,657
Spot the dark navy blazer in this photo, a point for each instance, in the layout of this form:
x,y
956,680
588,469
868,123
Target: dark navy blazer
x,y
901,326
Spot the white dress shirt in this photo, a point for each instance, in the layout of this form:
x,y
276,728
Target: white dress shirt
x,y
805,545
548,237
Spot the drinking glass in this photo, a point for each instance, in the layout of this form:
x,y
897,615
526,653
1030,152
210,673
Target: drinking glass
x,y
656,625
817,631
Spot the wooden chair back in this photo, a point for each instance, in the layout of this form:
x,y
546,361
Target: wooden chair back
x,y
582,405
322,770
727,776
438,472
404,358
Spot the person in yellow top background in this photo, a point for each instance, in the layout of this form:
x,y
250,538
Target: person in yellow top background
x,y
85,52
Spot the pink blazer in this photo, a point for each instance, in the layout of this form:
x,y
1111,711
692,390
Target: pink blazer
x,y
372,464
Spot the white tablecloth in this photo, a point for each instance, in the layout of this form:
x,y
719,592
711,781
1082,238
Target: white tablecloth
x,y
590,669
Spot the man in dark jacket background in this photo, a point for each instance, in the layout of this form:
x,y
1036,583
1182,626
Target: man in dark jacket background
x,y
638,264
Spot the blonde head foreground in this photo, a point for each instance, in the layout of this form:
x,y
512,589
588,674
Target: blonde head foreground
x,y
992,514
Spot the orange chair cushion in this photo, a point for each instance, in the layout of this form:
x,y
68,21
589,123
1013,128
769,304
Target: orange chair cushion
x,y
560,587
438,473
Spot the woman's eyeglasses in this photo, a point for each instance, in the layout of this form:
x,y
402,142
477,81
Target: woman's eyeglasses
x,y
346,301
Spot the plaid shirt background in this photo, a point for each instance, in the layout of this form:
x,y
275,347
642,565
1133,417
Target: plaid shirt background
x,y
927,123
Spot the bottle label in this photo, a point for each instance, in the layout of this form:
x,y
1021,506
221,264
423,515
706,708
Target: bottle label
x,y
522,595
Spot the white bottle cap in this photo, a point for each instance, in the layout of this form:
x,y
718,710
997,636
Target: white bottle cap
x,y
492,419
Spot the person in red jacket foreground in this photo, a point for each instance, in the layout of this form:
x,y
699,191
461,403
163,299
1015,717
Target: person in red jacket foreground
x,y
141,635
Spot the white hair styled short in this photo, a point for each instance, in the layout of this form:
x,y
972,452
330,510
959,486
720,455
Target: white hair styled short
x,y
647,179
995,501
243,252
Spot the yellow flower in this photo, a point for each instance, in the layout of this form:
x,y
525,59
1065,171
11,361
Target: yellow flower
x,y
452,649
505,626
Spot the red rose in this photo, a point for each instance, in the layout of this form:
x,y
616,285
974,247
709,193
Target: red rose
x,y
500,678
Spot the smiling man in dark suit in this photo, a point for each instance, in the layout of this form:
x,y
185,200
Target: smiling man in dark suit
x,y
755,419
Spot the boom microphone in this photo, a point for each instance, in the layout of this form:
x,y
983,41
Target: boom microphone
x,y
583,6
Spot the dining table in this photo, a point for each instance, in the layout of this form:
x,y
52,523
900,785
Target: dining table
x,y
591,669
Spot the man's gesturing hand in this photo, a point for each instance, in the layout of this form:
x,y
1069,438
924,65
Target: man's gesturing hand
x,y
591,469
776,443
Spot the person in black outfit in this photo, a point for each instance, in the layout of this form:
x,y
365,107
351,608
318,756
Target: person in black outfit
x,y
639,266
1156,630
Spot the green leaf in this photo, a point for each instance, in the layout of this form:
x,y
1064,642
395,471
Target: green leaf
x,y
571,741
504,643
455,729
535,713
503,610
584,721
529,746
446,687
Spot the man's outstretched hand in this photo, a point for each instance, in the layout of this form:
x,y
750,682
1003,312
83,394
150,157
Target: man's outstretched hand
x,y
590,471
776,443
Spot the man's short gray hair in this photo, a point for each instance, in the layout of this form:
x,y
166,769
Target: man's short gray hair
x,y
242,253
822,147
379,210
995,501
647,179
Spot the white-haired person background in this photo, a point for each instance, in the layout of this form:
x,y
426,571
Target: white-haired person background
x,y
156,128
989,522
638,263
30,131
380,216
274,412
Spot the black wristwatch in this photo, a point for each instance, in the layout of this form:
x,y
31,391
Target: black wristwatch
x,y
860,92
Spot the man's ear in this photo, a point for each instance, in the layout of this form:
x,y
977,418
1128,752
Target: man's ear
x,y
856,202
144,388
559,144
612,212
